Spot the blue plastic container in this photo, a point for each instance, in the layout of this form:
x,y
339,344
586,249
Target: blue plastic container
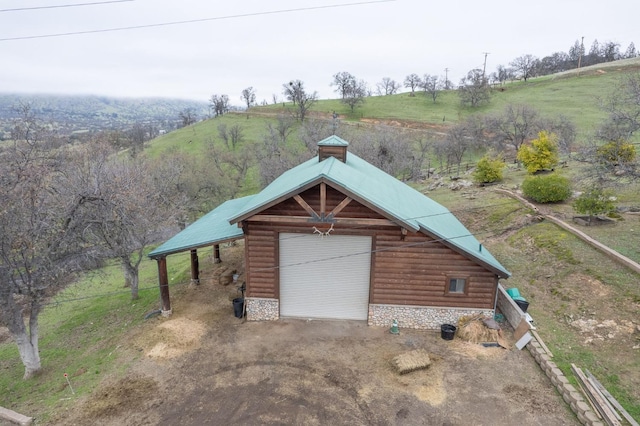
x,y
513,292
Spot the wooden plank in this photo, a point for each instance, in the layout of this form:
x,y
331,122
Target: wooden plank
x,y
306,207
546,349
521,330
323,198
306,220
340,206
601,406
611,399
522,342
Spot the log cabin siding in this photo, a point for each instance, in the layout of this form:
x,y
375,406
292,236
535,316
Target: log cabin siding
x,y
415,271
409,270
261,261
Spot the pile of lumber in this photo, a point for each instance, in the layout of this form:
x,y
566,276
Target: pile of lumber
x,y
601,400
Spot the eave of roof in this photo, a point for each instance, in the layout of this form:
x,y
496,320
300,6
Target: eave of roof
x,y
212,228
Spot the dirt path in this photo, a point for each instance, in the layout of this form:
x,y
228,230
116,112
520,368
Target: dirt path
x,y
204,366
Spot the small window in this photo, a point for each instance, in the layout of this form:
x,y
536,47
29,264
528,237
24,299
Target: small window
x,y
457,285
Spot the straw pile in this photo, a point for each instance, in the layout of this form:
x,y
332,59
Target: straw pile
x,y
473,329
411,361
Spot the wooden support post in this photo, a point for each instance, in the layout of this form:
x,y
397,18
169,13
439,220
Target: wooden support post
x,y
195,267
216,254
163,281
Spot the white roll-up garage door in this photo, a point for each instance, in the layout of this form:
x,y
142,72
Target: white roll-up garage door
x,y
324,277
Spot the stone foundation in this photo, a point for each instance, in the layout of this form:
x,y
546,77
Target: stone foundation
x,y
259,309
422,317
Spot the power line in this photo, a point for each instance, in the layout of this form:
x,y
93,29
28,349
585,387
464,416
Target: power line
x,y
191,21
18,9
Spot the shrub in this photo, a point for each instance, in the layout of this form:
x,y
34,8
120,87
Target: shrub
x,y
541,154
617,152
489,169
594,202
550,188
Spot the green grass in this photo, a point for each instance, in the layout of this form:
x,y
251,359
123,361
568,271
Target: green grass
x,y
80,334
193,139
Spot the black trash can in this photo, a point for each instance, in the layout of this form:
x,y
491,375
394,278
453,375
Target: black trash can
x,y
523,305
447,331
238,304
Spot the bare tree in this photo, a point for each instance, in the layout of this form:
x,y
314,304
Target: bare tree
x,y
188,117
432,86
249,96
516,125
459,140
219,104
503,74
564,129
355,93
412,81
387,148
623,107
313,131
283,127
473,90
230,168
274,158
136,200
231,136
138,135
296,93
387,87
343,81
524,66
223,132
41,235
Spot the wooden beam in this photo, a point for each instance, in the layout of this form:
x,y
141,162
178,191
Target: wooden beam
x,y
598,400
323,199
340,206
305,219
163,282
195,267
216,253
611,399
306,206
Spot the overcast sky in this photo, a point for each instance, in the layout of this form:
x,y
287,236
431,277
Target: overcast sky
x,y
264,50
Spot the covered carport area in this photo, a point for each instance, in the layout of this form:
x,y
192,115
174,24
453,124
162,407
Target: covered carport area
x,y
211,230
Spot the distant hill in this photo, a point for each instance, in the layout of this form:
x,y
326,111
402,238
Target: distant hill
x,y
77,113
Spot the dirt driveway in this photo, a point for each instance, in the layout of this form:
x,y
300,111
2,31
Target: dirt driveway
x,y
204,366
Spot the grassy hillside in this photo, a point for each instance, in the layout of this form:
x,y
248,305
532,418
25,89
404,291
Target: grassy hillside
x,y
573,94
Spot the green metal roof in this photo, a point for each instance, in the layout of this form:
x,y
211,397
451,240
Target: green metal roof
x,y
212,228
380,191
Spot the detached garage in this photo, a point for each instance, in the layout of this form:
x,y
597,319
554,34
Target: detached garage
x,y
336,237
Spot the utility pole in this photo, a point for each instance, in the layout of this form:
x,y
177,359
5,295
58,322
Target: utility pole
x,y
484,68
446,79
580,57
